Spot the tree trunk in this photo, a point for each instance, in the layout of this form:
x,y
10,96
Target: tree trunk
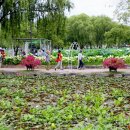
x,y
16,51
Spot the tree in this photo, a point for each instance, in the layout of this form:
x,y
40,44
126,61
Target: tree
x,y
123,11
81,30
88,31
7,8
117,36
34,18
52,23
102,24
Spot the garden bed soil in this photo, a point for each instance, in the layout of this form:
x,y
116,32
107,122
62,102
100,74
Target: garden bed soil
x,y
64,103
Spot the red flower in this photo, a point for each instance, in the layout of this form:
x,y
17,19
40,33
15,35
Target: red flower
x,y
114,63
30,61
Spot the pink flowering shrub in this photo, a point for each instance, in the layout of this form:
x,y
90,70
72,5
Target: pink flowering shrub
x,y
30,62
114,63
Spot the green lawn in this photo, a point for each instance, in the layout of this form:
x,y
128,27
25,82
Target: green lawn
x,y
64,103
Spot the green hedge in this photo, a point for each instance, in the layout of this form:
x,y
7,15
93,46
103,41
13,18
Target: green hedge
x,y
12,60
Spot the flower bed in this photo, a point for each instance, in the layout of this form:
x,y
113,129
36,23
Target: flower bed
x,y
91,56
66,102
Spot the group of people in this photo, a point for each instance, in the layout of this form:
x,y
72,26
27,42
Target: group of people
x,y
46,54
59,60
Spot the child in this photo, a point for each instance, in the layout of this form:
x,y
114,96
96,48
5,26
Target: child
x,y
59,60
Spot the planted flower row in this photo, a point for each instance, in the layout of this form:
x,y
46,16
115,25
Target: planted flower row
x,y
96,60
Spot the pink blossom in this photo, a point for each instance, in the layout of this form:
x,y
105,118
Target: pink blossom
x,y
30,60
114,63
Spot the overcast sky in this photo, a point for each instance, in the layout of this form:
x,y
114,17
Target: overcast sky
x,y
94,7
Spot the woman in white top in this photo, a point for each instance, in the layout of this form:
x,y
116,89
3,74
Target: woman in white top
x,y
80,57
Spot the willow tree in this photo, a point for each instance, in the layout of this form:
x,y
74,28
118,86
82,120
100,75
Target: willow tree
x,y
46,18
51,19
102,24
11,20
117,36
88,31
81,30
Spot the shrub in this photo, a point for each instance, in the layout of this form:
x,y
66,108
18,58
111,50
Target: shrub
x,y
30,62
12,60
114,63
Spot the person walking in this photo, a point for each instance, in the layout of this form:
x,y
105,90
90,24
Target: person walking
x,y
80,58
59,60
47,59
0,59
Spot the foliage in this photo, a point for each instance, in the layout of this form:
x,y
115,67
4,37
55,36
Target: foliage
x,y
33,18
57,42
52,102
97,32
102,24
118,35
80,29
12,60
122,11
30,62
114,63
3,127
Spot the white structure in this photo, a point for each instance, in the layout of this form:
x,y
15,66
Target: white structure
x,y
26,49
44,44
74,46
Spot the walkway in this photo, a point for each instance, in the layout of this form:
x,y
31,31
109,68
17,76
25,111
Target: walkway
x,y
67,71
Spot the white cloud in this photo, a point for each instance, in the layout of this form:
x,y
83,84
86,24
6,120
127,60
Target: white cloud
x,y
94,7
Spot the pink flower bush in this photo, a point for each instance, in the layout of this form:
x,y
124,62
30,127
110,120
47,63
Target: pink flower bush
x,y
30,62
114,63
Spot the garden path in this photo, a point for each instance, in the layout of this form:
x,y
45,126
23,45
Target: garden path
x,y
67,71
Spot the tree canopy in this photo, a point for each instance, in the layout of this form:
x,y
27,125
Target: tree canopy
x,y
97,32
123,11
47,18
34,18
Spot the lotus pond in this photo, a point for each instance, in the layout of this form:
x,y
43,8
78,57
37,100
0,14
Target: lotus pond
x,y
64,103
